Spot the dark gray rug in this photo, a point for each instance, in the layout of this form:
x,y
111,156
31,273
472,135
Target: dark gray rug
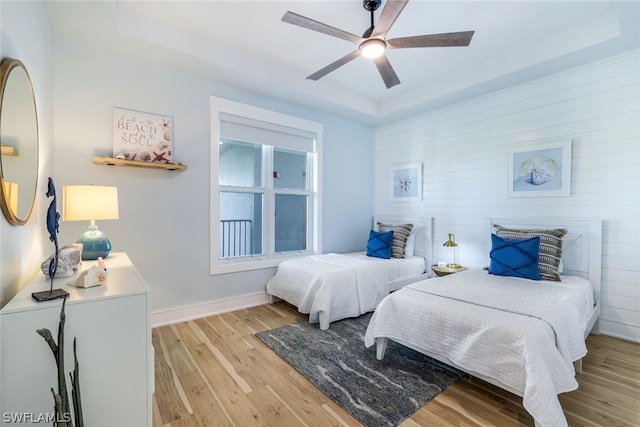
x,y
376,393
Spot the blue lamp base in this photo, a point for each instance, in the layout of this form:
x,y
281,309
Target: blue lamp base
x,y
95,244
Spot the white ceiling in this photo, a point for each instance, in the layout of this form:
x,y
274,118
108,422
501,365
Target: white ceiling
x,y
245,43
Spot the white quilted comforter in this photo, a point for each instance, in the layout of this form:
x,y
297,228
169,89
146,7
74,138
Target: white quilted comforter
x,y
523,334
331,287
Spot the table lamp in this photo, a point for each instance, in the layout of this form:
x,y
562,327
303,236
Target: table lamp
x,y
451,243
90,203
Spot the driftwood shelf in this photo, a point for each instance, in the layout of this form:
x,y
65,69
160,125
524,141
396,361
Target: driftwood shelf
x,y
8,150
110,161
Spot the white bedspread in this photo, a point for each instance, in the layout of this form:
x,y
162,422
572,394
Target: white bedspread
x,y
332,286
523,334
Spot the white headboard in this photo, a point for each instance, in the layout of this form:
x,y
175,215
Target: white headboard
x,y
422,225
581,247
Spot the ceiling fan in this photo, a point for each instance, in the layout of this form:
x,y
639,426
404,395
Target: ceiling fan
x,y
373,42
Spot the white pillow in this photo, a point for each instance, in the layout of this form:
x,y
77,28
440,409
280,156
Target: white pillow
x,y
410,247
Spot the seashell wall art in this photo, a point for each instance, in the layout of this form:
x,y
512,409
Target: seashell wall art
x,y
540,170
141,136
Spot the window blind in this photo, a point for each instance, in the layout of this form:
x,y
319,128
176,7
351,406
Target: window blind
x,y
245,129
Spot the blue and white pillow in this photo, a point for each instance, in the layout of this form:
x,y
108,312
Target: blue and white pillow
x,y
515,257
550,247
379,244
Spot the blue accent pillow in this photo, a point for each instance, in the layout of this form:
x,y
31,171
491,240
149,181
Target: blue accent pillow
x,y
515,257
379,244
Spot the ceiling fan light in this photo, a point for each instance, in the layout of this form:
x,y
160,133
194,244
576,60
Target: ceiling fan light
x,y
372,48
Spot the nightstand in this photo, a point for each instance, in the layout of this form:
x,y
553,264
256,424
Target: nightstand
x,y
443,271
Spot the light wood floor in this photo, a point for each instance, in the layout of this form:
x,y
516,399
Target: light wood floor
x,y
215,372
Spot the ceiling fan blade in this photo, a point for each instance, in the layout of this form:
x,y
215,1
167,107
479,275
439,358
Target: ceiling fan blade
x,y
388,16
302,21
334,65
432,40
385,69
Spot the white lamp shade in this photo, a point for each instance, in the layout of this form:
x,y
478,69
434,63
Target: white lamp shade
x,y
89,203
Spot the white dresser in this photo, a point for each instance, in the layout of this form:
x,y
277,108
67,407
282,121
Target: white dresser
x,y
112,325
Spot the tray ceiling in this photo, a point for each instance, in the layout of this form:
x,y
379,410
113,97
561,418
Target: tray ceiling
x,y
245,44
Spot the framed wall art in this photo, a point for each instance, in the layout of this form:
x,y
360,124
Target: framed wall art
x,y
406,182
143,137
540,170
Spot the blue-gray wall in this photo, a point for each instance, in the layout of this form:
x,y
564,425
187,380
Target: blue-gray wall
x,y
164,216
25,34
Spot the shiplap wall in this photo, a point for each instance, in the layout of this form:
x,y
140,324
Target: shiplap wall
x,y
464,153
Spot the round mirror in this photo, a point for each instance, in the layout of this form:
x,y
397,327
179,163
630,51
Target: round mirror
x,y
18,142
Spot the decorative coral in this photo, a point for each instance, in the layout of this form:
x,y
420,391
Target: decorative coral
x,y
61,398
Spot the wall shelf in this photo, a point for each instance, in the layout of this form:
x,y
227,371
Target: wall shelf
x,y
122,162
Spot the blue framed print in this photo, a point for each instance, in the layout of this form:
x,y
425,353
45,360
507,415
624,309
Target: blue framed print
x,y
540,170
406,182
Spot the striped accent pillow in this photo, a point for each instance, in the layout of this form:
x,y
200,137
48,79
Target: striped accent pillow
x,y
401,234
550,247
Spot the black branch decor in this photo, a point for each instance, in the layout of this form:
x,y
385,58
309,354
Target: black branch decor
x,y
75,388
61,398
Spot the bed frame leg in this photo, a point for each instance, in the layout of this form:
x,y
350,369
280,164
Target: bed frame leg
x,y
577,365
381,347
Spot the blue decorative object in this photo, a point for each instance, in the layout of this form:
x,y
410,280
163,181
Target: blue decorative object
x,y
94,243
52,227
379,244
515,257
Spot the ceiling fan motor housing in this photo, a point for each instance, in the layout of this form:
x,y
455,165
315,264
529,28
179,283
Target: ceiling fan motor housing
x,y
371,5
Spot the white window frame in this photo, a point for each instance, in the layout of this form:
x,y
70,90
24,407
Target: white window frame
x,y
267,260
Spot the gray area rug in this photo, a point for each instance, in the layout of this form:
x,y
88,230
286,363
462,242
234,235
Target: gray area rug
x,y
376,393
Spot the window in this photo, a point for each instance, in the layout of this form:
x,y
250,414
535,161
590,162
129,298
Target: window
x,y
264,187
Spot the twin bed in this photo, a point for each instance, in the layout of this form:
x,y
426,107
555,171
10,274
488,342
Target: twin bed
x,y
331,287
519,334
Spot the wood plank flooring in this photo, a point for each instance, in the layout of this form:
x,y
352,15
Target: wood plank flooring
x,y
215,372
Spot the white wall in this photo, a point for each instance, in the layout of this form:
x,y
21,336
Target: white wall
x,y
464,151
26,35
164,216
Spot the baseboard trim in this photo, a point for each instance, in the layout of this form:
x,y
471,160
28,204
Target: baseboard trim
x,y
196,311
